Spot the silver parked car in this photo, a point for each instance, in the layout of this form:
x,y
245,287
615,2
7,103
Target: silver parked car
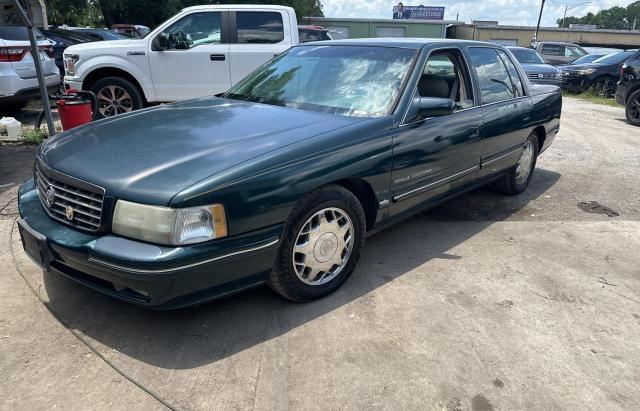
x,y
534,65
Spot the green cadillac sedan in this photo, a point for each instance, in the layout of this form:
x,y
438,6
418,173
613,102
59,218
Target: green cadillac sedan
x,y
281,179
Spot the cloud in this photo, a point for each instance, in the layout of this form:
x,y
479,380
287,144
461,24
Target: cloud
x,y
507,12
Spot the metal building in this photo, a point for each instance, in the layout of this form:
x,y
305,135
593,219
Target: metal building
x,y
351,28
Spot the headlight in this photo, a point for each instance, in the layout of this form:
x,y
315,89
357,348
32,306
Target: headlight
x,y
171,226
559,75
70,61
586,72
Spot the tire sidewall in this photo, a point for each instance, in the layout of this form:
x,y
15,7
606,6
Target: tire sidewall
x,y
326,199
136,97
631,120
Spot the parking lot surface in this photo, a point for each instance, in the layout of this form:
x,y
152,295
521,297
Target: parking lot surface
x,y
487,302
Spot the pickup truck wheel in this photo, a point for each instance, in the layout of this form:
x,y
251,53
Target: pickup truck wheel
x,y
321,245
517,179
116,96
632,110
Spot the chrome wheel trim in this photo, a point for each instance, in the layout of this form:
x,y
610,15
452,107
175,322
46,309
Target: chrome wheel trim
x,y
323,246
114,100
523,168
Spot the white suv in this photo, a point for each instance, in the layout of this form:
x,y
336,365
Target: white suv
x,y
18,80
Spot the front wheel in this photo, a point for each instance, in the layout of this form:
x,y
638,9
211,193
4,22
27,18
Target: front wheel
x,y
632,109
517,179
321,245
116,96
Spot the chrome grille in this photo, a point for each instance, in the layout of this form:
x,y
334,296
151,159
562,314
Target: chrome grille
x,y
65,201
536,76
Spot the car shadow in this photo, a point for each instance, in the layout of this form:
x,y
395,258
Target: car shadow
x,y
192,337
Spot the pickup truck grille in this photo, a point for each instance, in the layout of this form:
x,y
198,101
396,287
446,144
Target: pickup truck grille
x,y
65,201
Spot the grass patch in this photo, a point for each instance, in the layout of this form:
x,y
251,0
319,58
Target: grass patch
x,y
33,136
592,97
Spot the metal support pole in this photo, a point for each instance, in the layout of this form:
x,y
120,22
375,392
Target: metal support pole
x,y
565,15
35,53
535,36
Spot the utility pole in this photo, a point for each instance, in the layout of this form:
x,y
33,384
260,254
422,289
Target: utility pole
x,y
564,18
568,7
35,53
535,36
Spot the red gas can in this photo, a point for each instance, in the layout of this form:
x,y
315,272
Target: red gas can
x,y
74,109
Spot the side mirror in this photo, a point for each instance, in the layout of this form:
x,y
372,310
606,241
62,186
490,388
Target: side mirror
x,y
435,106
160,43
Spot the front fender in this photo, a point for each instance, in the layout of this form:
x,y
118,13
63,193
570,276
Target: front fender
x,y
138,70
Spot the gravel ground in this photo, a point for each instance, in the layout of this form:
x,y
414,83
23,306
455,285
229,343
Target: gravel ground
x,y
486,302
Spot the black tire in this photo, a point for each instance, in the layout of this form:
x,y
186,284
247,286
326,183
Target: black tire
x,y
632,109
283,279
509,183
137,102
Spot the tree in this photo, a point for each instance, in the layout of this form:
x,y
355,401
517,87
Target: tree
x,y
616,18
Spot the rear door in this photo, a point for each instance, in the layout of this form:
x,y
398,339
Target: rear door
x,y
256,36
553,53
197,61
433,156
505,108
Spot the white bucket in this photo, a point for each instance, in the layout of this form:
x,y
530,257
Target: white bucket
x,y
13,128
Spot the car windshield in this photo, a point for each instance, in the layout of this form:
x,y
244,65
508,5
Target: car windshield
x,y
586,59
614,58
357,81
17,33
525,56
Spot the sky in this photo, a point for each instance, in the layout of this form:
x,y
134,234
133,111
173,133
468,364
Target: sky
x,y
507,12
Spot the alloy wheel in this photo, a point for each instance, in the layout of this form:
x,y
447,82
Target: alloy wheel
x,y
323,246
114,100
523,168
634,108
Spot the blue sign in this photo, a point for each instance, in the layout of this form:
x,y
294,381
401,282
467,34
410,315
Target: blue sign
x,y
418,12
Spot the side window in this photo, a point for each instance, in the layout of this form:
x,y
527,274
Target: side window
x,y
445,75
259,27
552,50
493,77
194,30
516,81
573,52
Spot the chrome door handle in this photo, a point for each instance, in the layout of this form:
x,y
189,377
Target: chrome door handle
x,y
218,57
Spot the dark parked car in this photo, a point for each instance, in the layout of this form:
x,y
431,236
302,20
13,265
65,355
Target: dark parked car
x,y
601,75
559,53
628,90
313,33
537,70
281,179
101,34
62,39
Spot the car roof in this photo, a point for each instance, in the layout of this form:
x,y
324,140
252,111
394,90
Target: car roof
x,y
519,48
401,42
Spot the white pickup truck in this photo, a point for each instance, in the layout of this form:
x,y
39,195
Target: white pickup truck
x,y
202,50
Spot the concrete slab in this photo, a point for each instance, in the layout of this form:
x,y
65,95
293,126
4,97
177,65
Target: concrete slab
x,y
487,302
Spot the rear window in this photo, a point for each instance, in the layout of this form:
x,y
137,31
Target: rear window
x,y
552,49
17,33
259,27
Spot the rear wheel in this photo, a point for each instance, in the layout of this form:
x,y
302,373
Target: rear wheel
x,y
516,180
321,245
632,110
116,96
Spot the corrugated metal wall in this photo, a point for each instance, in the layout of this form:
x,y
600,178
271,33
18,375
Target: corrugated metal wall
x,y
365,29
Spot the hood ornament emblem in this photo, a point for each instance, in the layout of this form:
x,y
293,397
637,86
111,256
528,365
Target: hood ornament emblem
x,y
69,213
50,196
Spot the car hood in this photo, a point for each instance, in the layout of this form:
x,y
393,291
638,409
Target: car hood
x,y
539,68
150,155
578,67
96,46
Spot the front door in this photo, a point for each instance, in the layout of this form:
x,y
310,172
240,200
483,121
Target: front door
x,y
196,62
433,156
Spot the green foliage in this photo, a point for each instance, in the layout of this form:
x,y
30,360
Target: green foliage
x,y
33,136
615,18
104,13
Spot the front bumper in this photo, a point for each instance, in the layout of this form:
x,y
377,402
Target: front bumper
x,y
576,83
150,275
